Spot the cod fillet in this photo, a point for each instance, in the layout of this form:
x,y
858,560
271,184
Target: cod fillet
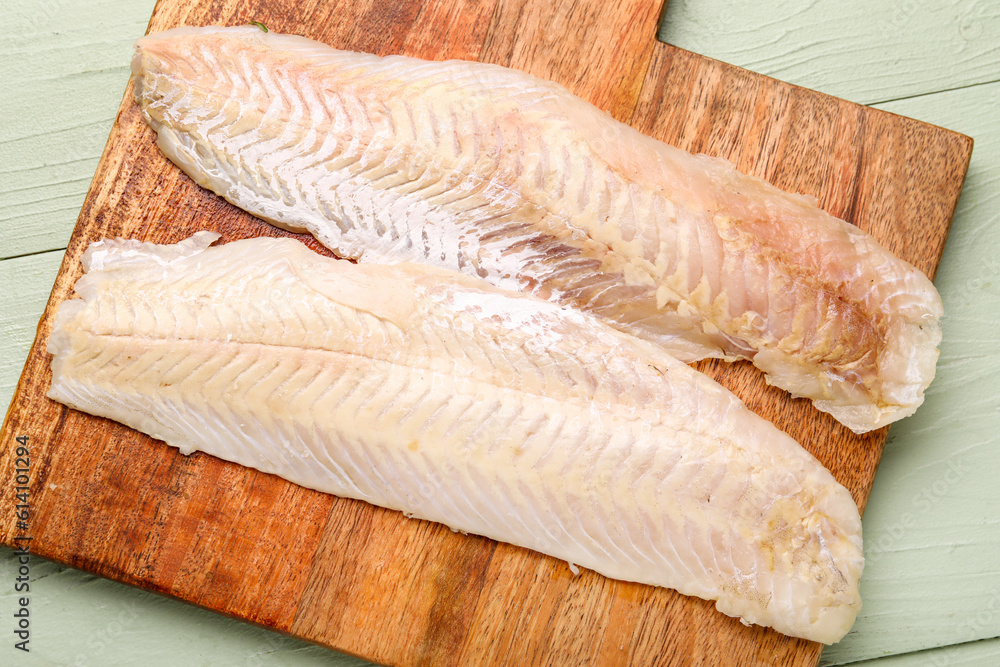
x,y
429,392
504,176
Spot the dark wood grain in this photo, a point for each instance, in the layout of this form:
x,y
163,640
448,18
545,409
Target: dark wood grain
x,y
366,580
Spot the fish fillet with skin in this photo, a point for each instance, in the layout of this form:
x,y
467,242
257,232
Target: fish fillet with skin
x,y
494,413
511,178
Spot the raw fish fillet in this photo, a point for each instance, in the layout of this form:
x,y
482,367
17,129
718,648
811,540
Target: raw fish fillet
x,y
499,414
511,178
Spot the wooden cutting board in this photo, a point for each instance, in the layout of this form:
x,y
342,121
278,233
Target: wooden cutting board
x,y
368,581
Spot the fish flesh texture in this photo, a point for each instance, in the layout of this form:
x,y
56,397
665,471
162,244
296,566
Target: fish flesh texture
x,y
511,178
498,414
426,391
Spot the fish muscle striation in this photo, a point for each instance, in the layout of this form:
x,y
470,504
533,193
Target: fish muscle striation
x,y
511,178
499,414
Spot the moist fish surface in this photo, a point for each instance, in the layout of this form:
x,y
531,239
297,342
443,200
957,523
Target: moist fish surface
x,y
508,177
499,414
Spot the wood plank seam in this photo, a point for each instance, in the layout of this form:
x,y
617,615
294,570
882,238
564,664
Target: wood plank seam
x,y
131,169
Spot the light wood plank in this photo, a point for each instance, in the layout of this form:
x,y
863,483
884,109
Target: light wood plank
x,y
932,532
985,653
948,116
860,50
25,284
67,62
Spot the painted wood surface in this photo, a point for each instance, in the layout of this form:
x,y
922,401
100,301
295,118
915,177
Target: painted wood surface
x,y
932,539
982,653
867,52
967,532
932,530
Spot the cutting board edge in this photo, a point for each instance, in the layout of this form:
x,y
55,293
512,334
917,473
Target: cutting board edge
x,y
53,302
66,268
812,91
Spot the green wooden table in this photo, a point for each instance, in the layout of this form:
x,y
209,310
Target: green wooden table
x,y
932,530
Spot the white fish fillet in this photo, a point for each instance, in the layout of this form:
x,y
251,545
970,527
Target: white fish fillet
x,y
498,414
499,174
